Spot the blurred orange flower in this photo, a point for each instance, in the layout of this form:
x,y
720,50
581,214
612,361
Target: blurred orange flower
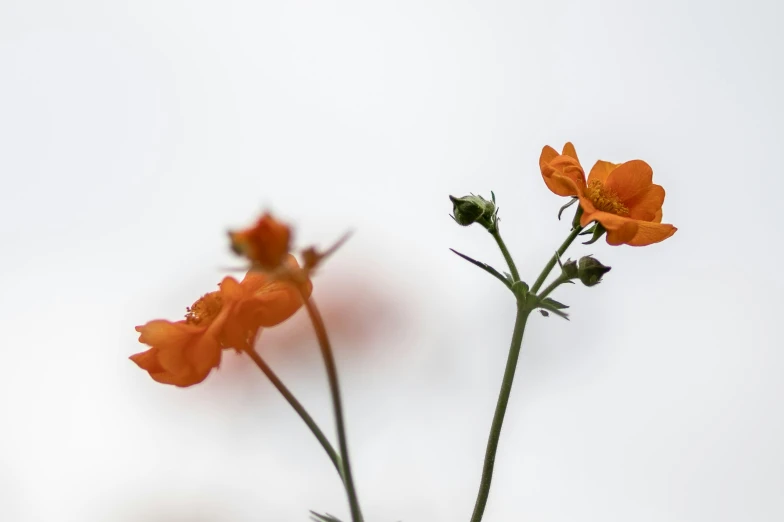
x,y
184,352
622,197
265,244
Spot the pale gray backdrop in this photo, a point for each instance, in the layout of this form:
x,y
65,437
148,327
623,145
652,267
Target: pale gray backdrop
x,y
133,134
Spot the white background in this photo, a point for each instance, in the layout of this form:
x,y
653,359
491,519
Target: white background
x,y
134,134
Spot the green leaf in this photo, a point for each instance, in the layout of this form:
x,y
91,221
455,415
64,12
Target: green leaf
x,y
554,304
487,268
547,305
317,517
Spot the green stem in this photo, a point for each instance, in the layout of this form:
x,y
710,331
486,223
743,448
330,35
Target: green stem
x,y
552,286
275,380
500,411
509,261
551,263
332,376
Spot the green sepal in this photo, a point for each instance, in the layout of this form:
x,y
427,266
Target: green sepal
x,y
598,231
317,517
577,215
571,202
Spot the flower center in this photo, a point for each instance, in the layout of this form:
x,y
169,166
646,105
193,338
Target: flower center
x,y
605,199
205,309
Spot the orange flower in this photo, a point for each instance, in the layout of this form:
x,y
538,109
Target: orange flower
x,y
621,197
266,244
184,352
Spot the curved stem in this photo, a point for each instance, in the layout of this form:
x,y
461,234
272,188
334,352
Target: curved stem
x,y
505,251
552,286
275,380
332,375
551,263
500,411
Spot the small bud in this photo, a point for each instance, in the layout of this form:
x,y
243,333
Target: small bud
x,y
472,209
266,244
570,270
590,270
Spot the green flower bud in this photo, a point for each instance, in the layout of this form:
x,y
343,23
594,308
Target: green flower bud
x,y
570,270
590,270
472,209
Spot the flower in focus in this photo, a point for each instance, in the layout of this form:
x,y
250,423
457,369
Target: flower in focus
x,y
265,244
621,197
184,352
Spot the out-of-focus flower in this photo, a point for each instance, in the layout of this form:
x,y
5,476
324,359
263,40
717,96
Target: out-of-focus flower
x,y
621,197
184,352
265,244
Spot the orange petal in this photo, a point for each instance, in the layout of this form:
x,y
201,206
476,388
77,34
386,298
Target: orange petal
x,y
646,205
658,217
204,353
619,229
562,173
622,234
600,171
569,150
548,154
162,332
182,380
230,289
561,185
649,233
622,230
147,360
270,306
629,179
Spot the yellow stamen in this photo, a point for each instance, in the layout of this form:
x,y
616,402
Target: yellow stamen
x,y
605,199
205,309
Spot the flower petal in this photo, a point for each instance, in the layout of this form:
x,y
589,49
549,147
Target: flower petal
x,y
646,204
160,331
183,380
649,233
230,289
600,171
562,173
147,360
629,179
204,353
569,150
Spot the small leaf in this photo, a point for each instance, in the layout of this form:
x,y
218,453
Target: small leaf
x,y
553,309
553,303
316,517
487,268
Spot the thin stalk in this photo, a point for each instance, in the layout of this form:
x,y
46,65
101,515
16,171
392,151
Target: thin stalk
x,y
507,256
275,380
332,376
500,411
552,286
551,263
